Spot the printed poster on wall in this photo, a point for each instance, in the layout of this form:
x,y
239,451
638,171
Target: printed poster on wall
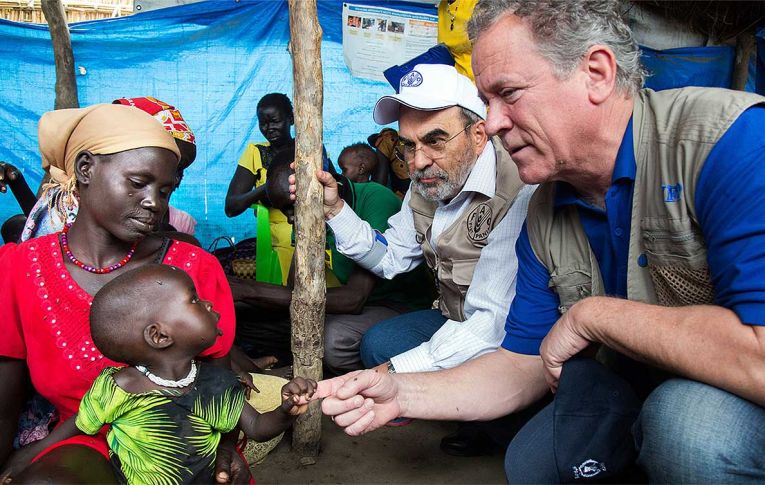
x,y
375,38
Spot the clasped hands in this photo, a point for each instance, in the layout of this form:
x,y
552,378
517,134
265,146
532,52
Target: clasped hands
x,y
363,401
360,401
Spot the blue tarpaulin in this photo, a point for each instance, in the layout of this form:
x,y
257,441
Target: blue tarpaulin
x,y
689,66
213,60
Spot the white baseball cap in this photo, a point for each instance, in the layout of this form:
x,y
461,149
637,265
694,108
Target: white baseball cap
x,y
430,87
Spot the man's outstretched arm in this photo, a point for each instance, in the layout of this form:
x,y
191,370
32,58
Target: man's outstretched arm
x,y
490,386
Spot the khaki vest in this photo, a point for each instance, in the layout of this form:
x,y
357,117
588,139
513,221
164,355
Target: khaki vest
x,y
673,132
459,246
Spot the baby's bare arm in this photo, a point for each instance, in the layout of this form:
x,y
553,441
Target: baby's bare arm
x,y
262,427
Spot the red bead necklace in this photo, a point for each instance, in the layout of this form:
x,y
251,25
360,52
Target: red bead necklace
x,y
92,269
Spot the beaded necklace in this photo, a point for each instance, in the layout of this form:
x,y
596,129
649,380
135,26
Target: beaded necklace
x,y
167,382
92,269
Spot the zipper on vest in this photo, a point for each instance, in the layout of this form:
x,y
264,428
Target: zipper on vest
x,y
436,270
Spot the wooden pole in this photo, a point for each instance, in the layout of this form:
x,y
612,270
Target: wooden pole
x,y
66,84
308,297
745,45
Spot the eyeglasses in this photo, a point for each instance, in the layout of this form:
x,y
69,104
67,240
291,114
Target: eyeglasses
x,y
434,149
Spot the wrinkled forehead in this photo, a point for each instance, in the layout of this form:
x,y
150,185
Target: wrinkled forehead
x,y
501,55
414,124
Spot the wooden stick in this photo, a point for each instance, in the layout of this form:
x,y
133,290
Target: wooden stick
x,y
66,84
308,297
745,45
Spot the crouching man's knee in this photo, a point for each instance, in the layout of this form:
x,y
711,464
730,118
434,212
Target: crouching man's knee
x,y
692,432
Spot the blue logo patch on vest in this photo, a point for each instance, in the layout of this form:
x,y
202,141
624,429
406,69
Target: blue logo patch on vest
x,y
672,192
411,80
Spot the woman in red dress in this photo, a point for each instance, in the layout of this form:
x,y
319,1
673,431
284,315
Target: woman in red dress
x,y
124,166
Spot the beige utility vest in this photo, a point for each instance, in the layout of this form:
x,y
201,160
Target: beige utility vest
x,y
673,132
458,247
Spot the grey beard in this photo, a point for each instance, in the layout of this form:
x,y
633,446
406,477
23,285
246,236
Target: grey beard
x,y
446,190
452,182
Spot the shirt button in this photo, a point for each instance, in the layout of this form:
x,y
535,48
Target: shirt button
x,y
618,231
642,261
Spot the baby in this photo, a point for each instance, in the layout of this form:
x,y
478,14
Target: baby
x,y
166,411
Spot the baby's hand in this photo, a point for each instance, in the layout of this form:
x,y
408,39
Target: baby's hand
x,y
296,394
246,379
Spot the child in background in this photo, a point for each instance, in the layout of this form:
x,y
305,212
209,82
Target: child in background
x,y
166,411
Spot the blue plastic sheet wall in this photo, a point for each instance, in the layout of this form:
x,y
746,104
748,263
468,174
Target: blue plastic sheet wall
x,y
213,60
688,66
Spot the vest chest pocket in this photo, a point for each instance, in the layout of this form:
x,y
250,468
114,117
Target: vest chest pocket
x,y
571,285
462,273
455,282
677,262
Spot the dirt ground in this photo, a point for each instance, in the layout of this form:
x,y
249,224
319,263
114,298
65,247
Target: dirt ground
x,y
401,455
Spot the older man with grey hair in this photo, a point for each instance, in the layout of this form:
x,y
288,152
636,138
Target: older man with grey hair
x,y
643,243
461,218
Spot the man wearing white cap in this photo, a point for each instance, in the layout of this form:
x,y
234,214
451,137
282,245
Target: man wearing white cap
x,y
462,217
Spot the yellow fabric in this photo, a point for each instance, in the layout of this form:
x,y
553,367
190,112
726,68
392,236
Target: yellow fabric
x,y
457,39
281,230
285,260
250,160
331,279
270,395
268,399
102,129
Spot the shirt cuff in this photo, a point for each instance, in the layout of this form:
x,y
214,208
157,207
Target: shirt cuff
x,y
414,360
345,222
521,345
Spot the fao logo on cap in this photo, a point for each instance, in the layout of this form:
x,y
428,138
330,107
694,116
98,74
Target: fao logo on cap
x,y
411,80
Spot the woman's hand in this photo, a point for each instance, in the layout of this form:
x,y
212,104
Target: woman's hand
x,y
246,379
8,176
14,383
18,461
264,363
11,178
230,467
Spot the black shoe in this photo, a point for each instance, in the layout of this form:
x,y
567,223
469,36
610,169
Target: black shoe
x,y
468,441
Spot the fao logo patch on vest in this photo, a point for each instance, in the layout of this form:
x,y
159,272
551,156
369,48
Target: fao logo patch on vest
x,y
479,222
411,80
